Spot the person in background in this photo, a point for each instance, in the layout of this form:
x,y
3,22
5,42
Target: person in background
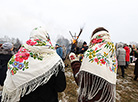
x,y
5,55
131,53
59,50
84,47
82,50
127,54
136,63
121,55
74,48
64,52
96,76
16,48
36,72
133,59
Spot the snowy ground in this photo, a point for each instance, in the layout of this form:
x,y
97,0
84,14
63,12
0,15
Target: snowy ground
x,y
126,90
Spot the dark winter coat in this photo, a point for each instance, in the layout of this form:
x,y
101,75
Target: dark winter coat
x,y
5,56
131,53
85,48
136,65
59,51
48,92
73,48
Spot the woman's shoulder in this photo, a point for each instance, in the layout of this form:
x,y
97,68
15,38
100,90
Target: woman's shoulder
x,y
5,52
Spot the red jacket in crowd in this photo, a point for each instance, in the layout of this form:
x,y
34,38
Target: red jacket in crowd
x,y
127,53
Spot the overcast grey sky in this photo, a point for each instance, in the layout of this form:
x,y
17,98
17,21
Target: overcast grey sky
x,y
120,17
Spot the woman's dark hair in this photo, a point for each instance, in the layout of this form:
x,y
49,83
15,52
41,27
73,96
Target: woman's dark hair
x,y
99,29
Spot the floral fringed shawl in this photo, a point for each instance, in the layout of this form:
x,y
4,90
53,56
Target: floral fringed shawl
x,y
32,66
98,70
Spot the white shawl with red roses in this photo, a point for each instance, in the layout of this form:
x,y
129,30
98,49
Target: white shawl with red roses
x,y
99,61
32,66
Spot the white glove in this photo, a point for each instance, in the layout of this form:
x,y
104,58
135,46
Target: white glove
x,y
73,57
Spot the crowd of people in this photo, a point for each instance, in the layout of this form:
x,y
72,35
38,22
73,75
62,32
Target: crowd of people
x,y
35,71
62,50
127,54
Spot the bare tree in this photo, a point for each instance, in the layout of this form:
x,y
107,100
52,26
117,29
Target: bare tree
x,y
62,41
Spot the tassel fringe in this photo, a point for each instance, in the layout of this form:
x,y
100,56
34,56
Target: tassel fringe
x,y
32,85
92,87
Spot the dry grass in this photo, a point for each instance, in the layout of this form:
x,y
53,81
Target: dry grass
x,y
70,93
127,88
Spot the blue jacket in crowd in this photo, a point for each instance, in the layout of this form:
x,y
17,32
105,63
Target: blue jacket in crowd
x,y
59,51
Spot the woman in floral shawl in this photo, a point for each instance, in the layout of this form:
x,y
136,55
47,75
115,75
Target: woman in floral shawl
x,y
35,73
96,76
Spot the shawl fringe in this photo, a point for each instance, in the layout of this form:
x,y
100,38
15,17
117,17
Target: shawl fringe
x,y
91,85
33,84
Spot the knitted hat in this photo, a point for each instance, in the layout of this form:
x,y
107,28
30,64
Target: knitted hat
x,y
7,45
57,44
84,43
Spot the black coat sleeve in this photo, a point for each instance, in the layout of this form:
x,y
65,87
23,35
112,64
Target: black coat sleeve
x,y
48,91
60,81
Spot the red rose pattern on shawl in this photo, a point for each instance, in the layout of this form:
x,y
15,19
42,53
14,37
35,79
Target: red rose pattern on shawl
x,y
30,42
72,57
94,55
96,40
19,60
21,56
